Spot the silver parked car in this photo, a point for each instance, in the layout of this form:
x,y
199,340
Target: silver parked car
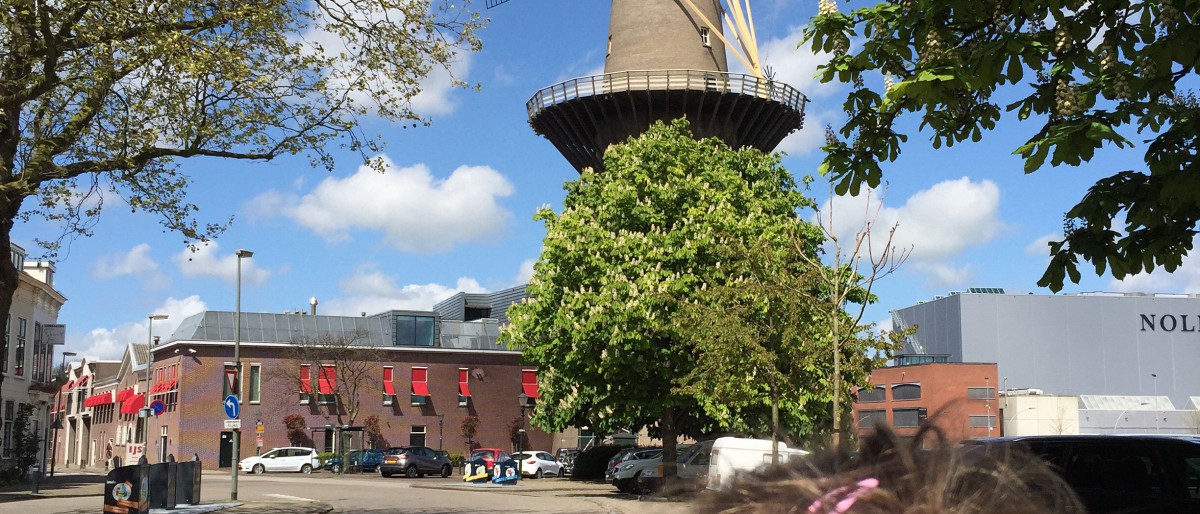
x,y
414,462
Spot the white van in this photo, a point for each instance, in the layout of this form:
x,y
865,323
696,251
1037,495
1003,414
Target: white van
x,y
733,455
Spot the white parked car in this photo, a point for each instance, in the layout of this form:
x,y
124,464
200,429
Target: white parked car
x,y
292,458
538,464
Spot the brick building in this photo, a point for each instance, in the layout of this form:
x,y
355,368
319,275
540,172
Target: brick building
x,y
959,397
423,379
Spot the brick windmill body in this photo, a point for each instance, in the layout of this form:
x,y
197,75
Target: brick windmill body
x,y
667,59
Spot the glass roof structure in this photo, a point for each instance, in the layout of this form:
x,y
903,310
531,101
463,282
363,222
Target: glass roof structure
x,y
263,327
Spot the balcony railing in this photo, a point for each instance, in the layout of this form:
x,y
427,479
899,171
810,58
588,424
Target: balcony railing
x,y
665,80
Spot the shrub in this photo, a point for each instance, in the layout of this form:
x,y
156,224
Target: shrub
x,y
589,465
325,456
458,459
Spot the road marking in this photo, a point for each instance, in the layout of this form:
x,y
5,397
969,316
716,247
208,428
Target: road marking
x,y
287,497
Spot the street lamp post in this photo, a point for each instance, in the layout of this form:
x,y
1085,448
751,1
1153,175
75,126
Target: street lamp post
x,y
523,401
1118,422
1156,411
58,417
237,371
441,428
149,381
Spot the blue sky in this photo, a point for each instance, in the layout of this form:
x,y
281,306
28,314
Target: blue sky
x,y
454,211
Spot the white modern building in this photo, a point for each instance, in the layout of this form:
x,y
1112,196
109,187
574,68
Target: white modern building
x,y
1127,360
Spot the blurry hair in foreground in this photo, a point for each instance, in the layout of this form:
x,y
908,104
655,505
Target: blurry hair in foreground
x,y
893,476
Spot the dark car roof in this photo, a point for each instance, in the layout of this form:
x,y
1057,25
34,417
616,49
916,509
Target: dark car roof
x,y
1186,439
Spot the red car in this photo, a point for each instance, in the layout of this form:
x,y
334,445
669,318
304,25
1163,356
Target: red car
x,y
489,455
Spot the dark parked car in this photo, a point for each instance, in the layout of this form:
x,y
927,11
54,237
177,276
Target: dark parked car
x,y
1120,473
414,462
366,461
566,456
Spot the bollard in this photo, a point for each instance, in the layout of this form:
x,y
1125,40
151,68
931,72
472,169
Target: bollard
x,y
172,479
143,505
34,473
196,479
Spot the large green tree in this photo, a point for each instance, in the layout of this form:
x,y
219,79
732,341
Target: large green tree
x,y
107,97
1092,74
634,247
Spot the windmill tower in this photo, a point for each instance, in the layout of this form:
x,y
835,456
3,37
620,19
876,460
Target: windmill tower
x,y
667,59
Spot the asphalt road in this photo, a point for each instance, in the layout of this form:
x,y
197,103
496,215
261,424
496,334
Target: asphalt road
x,y
374,494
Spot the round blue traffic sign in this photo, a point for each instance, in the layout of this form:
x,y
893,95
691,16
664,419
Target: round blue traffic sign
x,y
157,407
232,407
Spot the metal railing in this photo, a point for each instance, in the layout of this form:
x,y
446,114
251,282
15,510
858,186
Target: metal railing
x,y
665,80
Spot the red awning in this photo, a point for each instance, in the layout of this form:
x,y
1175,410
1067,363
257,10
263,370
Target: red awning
x,y
389,388
529,383
327,379
305,380
70,385
463,390
420,381
124,394
82,381
97,400
163,387
133,404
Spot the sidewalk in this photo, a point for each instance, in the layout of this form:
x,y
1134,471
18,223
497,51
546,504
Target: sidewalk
x,y
84,483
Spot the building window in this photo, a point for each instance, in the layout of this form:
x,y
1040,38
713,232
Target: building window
x,y
8,429
416,437
908,418
414,331
19,350
329,440
704,37
982,421
327,385
420,386
874,394
981,393
910,391
225,390
464,391
389,385
255,383
871,418
474,313
306,383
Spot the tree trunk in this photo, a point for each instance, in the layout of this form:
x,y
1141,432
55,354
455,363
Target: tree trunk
x,y
669,436
836,442
9,274
774,423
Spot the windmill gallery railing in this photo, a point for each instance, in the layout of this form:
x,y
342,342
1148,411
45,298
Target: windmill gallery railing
x,y
665,80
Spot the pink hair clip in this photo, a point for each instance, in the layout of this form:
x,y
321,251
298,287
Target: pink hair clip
x,y
844,497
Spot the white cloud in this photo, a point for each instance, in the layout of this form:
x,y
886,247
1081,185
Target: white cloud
x,y
416,212
208,261
938,224
794,65
1039,247
136,262
941,276
526,272
371,291
434,89
110,343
